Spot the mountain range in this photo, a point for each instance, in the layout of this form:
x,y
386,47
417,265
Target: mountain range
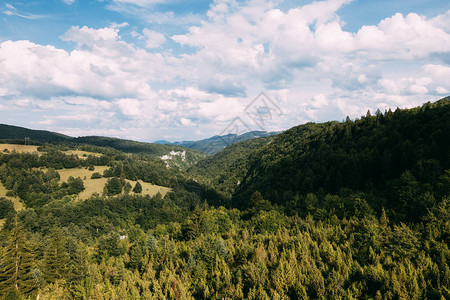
x,y
218,143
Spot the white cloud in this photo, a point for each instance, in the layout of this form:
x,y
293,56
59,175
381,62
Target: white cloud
x,y
153,39
442,21
130,107
13,11
101,65
143,3
303,57
402,37
442,90
69,2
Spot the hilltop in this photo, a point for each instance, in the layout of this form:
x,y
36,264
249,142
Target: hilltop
x,y
14,134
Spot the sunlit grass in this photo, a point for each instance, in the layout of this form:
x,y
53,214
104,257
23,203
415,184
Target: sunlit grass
x,y
96,185
83,173
18,148
31,149
82,154
18,205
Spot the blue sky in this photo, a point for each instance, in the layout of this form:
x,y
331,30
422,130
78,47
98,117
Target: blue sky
x,y
183,70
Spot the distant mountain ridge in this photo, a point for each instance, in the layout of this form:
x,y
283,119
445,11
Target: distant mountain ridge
x,y
15,134
10,132
212,145
217,143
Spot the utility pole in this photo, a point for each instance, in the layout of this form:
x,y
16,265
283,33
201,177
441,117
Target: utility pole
x,y
27,141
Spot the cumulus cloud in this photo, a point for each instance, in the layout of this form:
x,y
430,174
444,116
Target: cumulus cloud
x,y
153,39
101,65
312,67
130,107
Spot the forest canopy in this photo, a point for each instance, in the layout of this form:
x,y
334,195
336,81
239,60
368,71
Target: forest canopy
x,y
355,209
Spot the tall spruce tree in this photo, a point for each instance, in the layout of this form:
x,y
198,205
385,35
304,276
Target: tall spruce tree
x,y
16,263
55,257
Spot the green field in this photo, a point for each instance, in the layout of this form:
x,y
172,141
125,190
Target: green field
x,y
96,185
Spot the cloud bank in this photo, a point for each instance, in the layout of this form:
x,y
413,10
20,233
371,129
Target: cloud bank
x,y
193,84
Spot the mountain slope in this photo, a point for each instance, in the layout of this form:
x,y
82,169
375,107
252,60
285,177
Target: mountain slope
x,y
218,143
9,132
175,156
225,169
377,155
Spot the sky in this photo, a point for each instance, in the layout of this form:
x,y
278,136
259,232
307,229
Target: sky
x,y
182,70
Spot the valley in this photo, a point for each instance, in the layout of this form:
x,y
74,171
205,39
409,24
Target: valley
x,y
352,209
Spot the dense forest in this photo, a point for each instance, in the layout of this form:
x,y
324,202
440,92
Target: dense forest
x,y
357,209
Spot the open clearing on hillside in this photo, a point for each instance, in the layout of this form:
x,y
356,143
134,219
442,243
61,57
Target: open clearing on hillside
x,y
18,205
18,148
83,173
82,154
31,149
96,185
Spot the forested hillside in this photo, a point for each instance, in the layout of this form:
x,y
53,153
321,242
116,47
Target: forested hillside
x,y
340,210
189,158
398,160
225,169
175,155
8,132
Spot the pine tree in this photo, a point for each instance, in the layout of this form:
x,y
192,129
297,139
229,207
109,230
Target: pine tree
x,y
113,186
137,188
16,263
55,257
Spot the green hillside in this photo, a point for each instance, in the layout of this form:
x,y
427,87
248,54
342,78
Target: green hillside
x,y
339,210
9,132
217,143
379,155
16,134
190,157
225,169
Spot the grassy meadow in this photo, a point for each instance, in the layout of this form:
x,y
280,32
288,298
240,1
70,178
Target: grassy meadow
x,y
18,148
18,205
31,149
96,185
82,154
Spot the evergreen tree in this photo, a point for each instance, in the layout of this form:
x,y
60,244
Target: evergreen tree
x,y
6,206
113,186
16,263
55,257
137,188
127,188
